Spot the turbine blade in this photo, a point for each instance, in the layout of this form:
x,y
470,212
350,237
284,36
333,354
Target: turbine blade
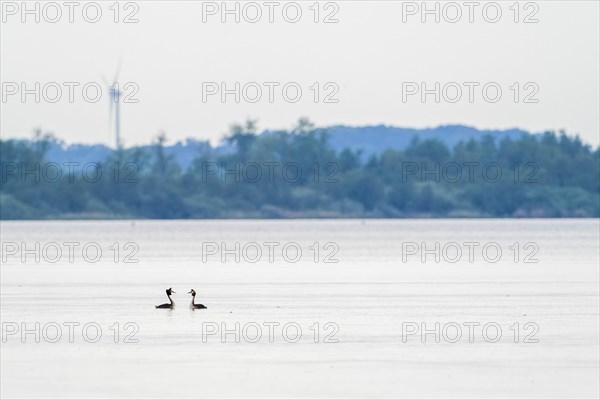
x,y
118,69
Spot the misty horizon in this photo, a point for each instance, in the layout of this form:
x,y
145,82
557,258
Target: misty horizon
x,y
180,80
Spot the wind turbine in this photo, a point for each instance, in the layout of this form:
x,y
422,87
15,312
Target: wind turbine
x,y
114,101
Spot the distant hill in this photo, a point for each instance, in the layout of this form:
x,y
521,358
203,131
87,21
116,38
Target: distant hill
x,y
376,139
184,152
369,139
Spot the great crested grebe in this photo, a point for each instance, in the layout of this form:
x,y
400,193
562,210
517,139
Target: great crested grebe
x,y
194,306
170,305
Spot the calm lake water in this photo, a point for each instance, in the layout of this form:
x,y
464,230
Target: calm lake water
x,y
364,297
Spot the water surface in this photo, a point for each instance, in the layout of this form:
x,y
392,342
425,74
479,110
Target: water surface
x,y
368,294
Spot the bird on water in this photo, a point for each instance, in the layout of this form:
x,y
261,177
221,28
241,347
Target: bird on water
x,y
193,305
170,305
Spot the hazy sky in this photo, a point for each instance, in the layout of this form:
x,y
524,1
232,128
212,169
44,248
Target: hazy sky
x,y
369,58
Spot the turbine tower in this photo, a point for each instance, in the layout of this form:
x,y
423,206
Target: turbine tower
x,y
114,99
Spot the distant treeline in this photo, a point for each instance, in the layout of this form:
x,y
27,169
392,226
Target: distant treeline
x,y
297,174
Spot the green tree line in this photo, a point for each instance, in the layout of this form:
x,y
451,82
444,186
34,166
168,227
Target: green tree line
x,y
297,174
